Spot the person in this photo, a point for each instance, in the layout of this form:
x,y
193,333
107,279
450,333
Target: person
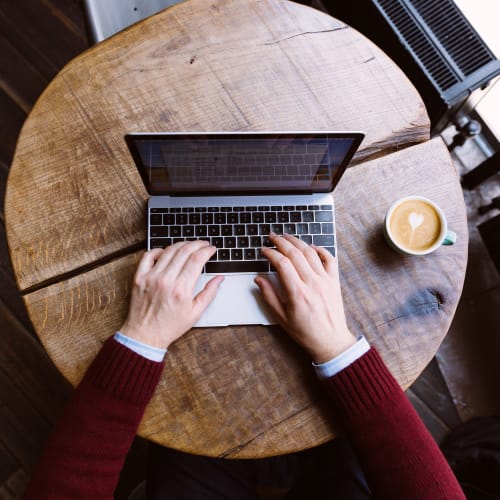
x,y
86,451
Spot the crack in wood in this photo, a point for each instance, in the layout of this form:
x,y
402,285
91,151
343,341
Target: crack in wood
x,y
274,42
238,448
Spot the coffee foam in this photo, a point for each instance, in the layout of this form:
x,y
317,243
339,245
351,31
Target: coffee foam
x,y
415,225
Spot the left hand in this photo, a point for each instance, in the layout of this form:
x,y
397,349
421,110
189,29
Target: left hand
x,y
162,307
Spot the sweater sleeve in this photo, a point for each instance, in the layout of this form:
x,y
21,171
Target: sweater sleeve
x,y
87,448
397,454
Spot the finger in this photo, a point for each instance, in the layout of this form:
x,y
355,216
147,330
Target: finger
x,y
309,253
148,261
175,256
294,254
328,260
271,297
206,296
193,266
287,273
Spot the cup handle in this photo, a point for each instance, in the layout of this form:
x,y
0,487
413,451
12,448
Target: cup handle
x,y
450,238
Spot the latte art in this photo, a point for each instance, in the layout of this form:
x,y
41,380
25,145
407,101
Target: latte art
x,y
415,225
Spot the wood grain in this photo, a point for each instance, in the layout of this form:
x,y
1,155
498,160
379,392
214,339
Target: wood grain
x,y
248,391
232,65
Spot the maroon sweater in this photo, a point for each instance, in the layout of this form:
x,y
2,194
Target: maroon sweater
x,y
85,453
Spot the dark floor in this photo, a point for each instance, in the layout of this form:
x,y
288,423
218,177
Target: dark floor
x,y
37,37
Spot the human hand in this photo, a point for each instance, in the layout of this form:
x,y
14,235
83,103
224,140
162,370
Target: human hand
x,y
162,307
310,308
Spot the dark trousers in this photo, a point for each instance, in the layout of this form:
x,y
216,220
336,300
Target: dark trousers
x,y
328,471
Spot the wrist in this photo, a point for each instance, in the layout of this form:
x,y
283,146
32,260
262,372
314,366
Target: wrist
x,y
146,337
332,349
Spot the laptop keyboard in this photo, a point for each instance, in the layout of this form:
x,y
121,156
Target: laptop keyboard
x,y
238,233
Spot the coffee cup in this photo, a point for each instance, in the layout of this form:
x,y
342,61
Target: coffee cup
x,y
415,225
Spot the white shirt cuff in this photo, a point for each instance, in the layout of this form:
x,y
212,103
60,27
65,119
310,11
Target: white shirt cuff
x,y
337,364
147,351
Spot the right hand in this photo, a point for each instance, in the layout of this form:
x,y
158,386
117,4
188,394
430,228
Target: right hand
x,y
310,308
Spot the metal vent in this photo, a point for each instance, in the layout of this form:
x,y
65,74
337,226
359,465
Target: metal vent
x,y
455,34
439,36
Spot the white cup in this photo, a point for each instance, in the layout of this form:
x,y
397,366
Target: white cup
x,y
446,237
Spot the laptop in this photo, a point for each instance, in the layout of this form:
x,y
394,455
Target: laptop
x,y
232,189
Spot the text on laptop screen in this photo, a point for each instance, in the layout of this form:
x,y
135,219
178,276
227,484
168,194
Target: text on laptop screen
x,y
240,163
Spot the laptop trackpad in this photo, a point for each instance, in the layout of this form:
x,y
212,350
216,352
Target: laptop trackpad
x,y
238,302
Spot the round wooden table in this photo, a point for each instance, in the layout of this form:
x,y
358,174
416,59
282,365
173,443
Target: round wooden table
x,y
75,209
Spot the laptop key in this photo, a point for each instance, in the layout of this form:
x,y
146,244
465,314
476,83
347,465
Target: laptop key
x,y
277,228
207,218
290,228
226,230
306,238
159,232
249,254
257,217
324,240
181,219
266,242
220,218
270,217
213,230
242,242
156,219
223,254
168,219
264,229
230,242
302,229
295,216
283,217
217,242
331,250
239,230
326,228
233,218
237,254
245,217
323,216
188,231
307,217
252,229
175,231
315,228
194,219
255,241
200,230
243,266
160,242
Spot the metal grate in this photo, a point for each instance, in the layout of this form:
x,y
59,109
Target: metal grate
x,y
455,34
439,36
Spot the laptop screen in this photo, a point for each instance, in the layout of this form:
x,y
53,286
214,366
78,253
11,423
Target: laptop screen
x,y
241,163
